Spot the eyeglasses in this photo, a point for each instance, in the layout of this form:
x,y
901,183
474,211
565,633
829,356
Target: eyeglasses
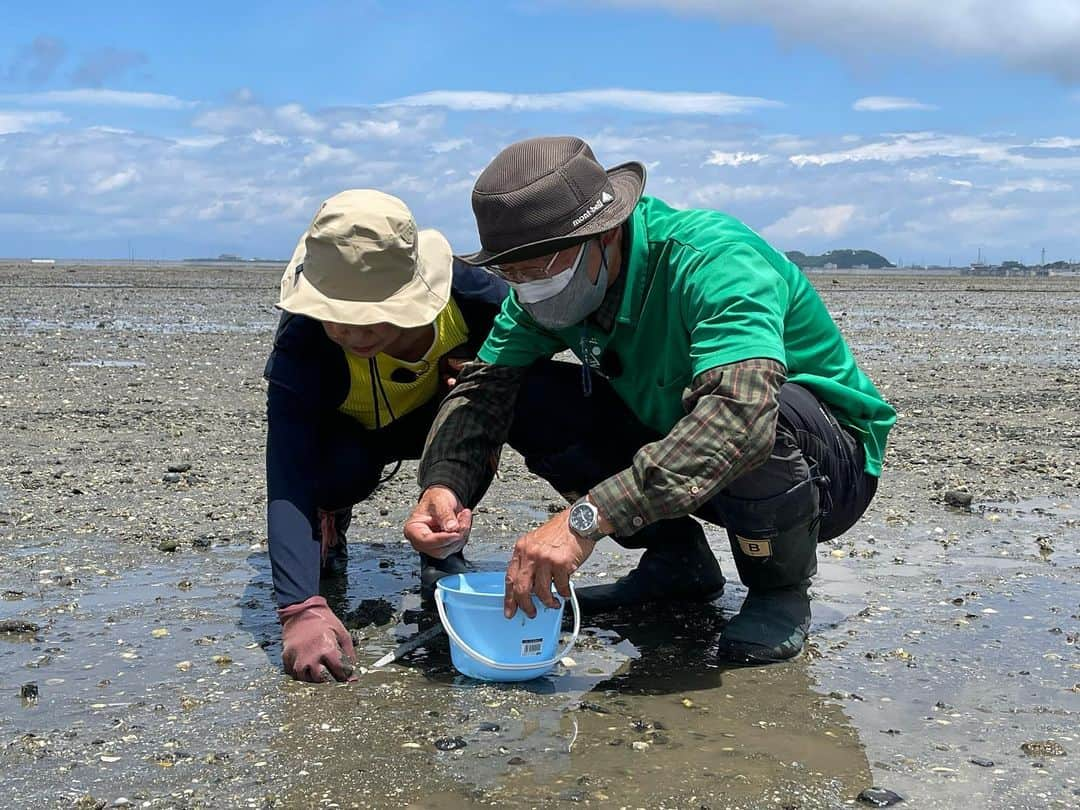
x,y
515,273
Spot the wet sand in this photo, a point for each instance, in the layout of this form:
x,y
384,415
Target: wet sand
x,y
945,638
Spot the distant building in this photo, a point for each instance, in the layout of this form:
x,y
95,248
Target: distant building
x,y
1008,268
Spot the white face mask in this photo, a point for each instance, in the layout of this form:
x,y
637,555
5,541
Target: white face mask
x,y
532,292
580,298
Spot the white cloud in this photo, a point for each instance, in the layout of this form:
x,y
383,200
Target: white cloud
x,y
734,158
322,153
95,97
442,147
341,126
111,130
288,118
808,222
1058,142
230,119
648,101
913,146
889,104
295,118
1036,185
23,121
724,196
981,214
362,130
252,187
265,138
113,182
786,143
1034,35
200,142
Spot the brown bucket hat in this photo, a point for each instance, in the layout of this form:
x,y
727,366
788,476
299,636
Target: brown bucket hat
x,y
543,194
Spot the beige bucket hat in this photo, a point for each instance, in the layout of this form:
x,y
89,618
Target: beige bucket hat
x,y
362,261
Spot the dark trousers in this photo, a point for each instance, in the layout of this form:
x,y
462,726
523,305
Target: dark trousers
x,y
574,442
353,457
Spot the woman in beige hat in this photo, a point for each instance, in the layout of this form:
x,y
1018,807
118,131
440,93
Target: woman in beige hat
x,y
377,316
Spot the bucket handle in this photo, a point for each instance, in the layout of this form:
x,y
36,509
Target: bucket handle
x,y
483,659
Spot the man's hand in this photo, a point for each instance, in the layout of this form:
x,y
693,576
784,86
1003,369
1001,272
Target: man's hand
x,y
548,554
316,647
439,525
450,368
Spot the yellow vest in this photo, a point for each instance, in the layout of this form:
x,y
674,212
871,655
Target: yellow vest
x,y
403,397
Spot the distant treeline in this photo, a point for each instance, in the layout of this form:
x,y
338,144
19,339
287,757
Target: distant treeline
x,y
842,259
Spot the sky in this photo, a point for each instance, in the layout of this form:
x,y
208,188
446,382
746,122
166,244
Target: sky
x,y
928,131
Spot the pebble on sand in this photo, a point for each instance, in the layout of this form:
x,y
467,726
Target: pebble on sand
x,y
18,627
1043,748
879,797
958,499
450,743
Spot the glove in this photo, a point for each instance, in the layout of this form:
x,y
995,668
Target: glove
x,y
316,647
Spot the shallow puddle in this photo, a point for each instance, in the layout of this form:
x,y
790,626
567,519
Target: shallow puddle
x,y
160,678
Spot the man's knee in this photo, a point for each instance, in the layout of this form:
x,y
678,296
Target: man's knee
x,y
570,440
764,518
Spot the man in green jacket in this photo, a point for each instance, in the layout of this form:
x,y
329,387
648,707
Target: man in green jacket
x,y
713,383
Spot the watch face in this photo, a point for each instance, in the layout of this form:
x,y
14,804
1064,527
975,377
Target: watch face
x,y
582,518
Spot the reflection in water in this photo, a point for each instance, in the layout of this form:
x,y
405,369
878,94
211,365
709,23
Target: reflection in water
x,y
642,718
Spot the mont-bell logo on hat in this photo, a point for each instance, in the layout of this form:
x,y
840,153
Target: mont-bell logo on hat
x,y
605,198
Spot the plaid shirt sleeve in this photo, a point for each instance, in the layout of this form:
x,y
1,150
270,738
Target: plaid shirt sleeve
x,y
729,428
463,445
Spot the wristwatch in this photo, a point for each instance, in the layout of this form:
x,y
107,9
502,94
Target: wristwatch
x,y
585,519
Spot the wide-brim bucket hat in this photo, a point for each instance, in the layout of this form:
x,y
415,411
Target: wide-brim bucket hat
x,y
363,261
544,194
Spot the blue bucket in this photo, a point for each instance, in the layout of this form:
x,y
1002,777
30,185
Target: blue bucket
x,y
486,645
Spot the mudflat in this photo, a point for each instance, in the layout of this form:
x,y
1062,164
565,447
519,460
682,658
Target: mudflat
x,y
140,654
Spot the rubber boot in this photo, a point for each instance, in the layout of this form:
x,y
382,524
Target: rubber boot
x,y
432,569
776,555
336,560
677,566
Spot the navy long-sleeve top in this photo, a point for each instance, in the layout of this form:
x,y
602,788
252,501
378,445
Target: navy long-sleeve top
x,y
309,379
